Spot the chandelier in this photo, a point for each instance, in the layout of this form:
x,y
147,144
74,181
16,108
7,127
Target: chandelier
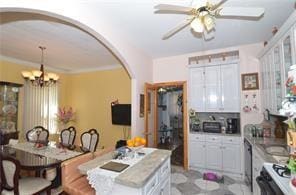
x,y
39,77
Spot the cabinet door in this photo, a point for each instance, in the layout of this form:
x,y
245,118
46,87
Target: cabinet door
x,y
214,156
262,70
197,154
278,78
271,90
164,188
197,89
212,91
287,55
231,158
230,96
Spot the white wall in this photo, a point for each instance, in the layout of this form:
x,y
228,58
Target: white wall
x,y
175,68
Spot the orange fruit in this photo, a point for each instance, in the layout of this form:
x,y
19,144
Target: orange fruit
x,y
137,139
137,144
143,141
130,143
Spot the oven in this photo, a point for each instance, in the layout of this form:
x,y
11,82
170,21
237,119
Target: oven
x,y
248,163
267,185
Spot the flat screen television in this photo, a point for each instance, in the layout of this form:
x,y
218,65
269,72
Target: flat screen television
x,y
121,114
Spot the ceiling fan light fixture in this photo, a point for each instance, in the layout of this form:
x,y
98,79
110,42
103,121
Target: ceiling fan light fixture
x,y
209,22
197,25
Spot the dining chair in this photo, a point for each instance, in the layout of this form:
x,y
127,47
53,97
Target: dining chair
x,y
68,136
37,135
11,183
89,140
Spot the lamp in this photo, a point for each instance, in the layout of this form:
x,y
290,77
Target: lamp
x,y
39,77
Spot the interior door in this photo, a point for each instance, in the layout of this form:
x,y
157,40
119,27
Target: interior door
x,y
150,114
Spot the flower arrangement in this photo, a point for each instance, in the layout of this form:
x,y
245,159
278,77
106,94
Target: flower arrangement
x,y
65,115
291,86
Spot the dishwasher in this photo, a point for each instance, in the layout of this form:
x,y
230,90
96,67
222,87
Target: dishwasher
x,y
248,163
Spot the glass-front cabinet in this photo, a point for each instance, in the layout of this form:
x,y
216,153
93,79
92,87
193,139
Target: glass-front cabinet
x,y
277,78
9,93
276,60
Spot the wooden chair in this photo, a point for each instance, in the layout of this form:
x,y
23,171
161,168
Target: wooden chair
x,y
11,184
37,135
89,140
68,137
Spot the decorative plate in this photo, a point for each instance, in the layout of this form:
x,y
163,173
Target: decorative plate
x,y
9,109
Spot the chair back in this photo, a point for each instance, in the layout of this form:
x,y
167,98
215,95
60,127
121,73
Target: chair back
x,y
37,134
10,170
89,140
68,136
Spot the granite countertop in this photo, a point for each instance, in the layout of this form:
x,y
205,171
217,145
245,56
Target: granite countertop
x,y
256,141
222,134
135,176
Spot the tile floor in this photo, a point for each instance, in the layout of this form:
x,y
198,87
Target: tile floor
x,y
191,183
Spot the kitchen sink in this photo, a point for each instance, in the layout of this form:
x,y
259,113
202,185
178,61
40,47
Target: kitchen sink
x,y
275,150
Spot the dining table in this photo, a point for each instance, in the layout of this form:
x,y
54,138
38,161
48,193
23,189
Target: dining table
x,y
41,158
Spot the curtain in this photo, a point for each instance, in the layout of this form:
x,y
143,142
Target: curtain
x,y
40,107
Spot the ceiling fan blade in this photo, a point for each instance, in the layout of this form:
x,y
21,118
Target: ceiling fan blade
x,y
241,11
199,3
178,27
217,4
168,7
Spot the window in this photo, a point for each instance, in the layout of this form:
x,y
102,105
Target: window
x,y
40,107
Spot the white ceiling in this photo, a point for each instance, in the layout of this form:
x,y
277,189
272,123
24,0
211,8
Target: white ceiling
x,y
71,49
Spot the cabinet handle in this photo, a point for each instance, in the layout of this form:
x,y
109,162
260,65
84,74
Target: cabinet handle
x,y
161,192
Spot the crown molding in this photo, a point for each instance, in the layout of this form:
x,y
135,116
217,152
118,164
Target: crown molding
x,y
59,70
102,68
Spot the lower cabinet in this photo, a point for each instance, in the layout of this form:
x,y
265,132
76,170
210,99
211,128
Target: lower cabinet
x,y
213,156
221,153
197,152
163,189
231,158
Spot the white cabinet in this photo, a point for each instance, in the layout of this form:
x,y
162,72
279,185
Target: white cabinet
x,y
216,152
230,96
213,156
276,60
197,89
231,158
197,153
212,88
215,88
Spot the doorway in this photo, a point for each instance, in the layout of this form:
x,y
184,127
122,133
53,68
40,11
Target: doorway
x,y
166,119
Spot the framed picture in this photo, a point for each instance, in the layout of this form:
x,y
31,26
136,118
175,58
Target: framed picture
x,y
141,105
250,81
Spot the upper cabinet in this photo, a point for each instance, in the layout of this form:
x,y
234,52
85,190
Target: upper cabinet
x,y
215,88
276,59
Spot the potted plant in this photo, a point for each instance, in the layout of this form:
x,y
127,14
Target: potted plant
x,y
64,116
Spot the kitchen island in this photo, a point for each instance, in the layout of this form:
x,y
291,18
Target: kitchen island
x,y
148,174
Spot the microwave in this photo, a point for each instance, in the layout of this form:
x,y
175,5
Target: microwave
x,y
211,127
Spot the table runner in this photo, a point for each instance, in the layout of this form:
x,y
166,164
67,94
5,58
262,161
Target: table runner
x,y
103,180
48,151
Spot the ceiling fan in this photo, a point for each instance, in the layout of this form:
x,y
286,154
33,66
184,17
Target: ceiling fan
x,y
203,14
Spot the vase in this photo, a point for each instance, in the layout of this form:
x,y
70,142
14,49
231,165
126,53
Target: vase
x,y
291,138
